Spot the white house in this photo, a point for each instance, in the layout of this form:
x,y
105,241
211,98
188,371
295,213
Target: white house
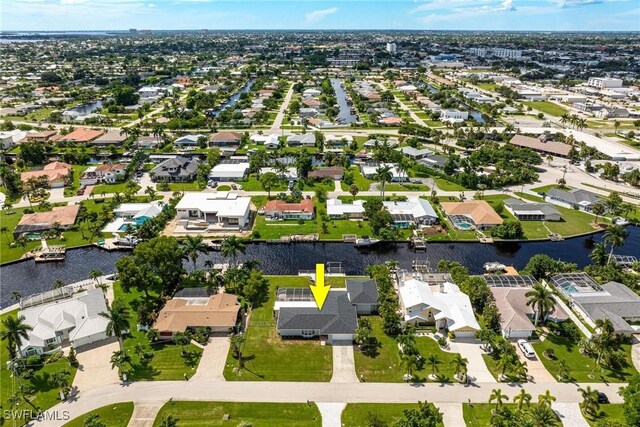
x,y
369,171
9,138
187,140
291,173
269,141
452,115
67,318
336,209
221,210
133,215
411,211
443,305
229,171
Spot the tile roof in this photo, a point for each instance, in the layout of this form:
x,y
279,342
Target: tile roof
x,y
219,311
305,205
553,147
82,135
64,215
479,210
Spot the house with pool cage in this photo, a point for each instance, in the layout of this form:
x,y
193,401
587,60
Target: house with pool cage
x,y
471,215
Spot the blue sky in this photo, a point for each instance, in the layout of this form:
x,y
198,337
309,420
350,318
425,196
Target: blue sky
x,y
583,15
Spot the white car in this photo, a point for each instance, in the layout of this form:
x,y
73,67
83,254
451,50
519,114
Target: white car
x,y
527,349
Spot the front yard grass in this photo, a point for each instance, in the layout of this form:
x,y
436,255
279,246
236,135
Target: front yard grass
x,y
180,186
357,414
257,414
270,358
445,185
115,415
479,414
120,187
167,363
386,367
581,365
610,412
359,180
546,107
45,396
406,187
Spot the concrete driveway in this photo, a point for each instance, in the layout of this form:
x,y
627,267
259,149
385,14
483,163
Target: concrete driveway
x,y
94,366
56,195
570,414
214,357
535,367
344,365
470,350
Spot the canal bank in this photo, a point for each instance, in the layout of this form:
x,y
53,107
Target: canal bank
x,y
28,278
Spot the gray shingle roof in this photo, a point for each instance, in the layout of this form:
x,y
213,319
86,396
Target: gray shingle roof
x,y
617,304
575,196
185,167
338,316
362,291
521,206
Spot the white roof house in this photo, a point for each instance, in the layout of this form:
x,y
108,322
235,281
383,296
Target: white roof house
x,y
269,141
229,171
291,173
133,214
337,209
74,319
187,140
209,211
369,171
443,305
414,210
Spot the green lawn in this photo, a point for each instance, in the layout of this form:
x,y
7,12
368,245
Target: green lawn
x,y
546,188
487,86
445,185
78,171
45,396
253,184
254,414
270,358
167,363
406,187
359,180
116,415
581,366
385,366
610,412
181,186
120,187
546,107
479,414
356,414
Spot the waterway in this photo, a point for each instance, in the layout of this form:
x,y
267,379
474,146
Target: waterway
x,y
232,100
29,278
87,108
345,116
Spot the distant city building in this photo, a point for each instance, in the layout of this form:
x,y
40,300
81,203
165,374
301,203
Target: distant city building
x,y
496,51
391,48
604,82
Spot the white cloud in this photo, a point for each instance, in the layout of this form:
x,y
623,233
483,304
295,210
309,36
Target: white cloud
x,y
73,1
318,15
507,5
464,6
151,5
575,3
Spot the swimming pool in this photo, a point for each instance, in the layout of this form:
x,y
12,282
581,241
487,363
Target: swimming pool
x,y
464,225
33,236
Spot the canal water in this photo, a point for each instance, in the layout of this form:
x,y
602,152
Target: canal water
x,y
232,100
29,278
87,108
345,116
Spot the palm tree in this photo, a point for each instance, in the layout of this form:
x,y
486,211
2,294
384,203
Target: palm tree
x,y
599,254
353,189
231,247
192,246
118,316
434,361
151,192
21,241
543,416
505,362
521,399
540,298
383,175
95,274
237,345
564,369
169,421
598,209
614,236
58,284
616,125
546,399
14,330
460,364
4,230
496,394
589,405
15,295
60,380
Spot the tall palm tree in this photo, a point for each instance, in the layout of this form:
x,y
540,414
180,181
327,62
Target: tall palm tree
x,y
540,298
599,254
496,394
433,360
14,330
505,363
231,247
564,370
546,399
521,399
118,316
614,236
95,274
589,405
383,175
460,364
151,192
543,416
192,246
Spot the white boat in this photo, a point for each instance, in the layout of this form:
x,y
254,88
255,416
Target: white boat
x,y
493,267
621,221
365,241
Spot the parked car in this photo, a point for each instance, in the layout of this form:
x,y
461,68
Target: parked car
x,y
527,349
602,398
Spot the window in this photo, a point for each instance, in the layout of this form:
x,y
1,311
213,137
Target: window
x,y
234,221
194,213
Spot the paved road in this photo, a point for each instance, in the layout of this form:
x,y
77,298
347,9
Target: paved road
x,y
296,392
283,109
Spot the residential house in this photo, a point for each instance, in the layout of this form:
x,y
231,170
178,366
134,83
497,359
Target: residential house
x,y
415,153
613,301
109,138
576,198
337,209
225,139
280,209
298,316
61,217
10,138
452,115
541,145
68,318
194,308
291,173
369,171
363,293
232,171
333,172
111,172
612,113
307,112
57,174
176,169
81,135
189,140
271,142
218,211
303,140
525,211
44,136
414,211
133,215
471,214
442,305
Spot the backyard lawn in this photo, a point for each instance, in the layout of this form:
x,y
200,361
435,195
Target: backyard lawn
x,y
546,107
386,367
581,366
115,415
45,396
250,414
78,171
167,363
357,414
270,358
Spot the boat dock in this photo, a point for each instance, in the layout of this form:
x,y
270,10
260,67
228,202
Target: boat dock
x,y
46,253
116,244
418,241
